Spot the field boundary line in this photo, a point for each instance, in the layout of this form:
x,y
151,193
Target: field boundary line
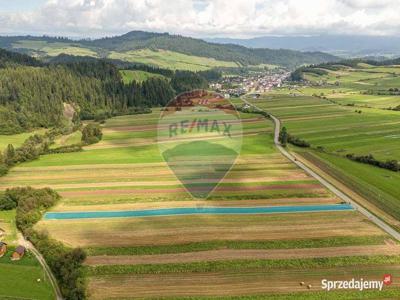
x,y
377,221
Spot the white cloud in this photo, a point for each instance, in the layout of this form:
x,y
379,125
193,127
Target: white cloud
x,y
238,18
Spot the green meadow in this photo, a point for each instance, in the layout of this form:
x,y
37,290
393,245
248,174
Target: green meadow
x,y
24,280
170,60
362,86
137,75
54,49
17,139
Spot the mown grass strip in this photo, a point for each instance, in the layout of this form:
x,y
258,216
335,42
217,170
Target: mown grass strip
x,y
240,265
216,245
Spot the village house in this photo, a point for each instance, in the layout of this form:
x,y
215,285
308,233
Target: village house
x,y
18,253
3,249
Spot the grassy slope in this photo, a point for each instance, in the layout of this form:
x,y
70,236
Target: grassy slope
x,y
136,75
348,84
54,49
16,139
170,60
70,139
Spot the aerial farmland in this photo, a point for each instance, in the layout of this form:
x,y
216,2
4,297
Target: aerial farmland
x,y
278,255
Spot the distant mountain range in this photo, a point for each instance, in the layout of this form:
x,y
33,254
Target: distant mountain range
x,y
342,45
145,47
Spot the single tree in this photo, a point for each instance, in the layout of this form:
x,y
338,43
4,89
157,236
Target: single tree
x,y
9,155
283,137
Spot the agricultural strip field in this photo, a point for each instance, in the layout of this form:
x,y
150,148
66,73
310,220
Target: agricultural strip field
x,y
338,130
19,279
127,256
230,282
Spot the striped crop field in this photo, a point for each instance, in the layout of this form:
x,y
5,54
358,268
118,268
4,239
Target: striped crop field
x,y
337,118
203,255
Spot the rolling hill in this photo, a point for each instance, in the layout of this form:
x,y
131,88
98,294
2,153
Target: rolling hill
x,y
152,48
341,45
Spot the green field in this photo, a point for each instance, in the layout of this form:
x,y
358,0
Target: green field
x,y
19,280
7,223
139,76
17,139
353,86
170,60
54,49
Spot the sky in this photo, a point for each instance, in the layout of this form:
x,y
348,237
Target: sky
x,y
199,18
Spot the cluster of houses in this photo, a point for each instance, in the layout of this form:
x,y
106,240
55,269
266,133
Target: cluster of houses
x,y
18,253
256,82
261,83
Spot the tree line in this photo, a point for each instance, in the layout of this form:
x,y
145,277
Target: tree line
x,y
392,165
285,138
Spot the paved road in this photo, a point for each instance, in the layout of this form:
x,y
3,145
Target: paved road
x,y
28,245
385,227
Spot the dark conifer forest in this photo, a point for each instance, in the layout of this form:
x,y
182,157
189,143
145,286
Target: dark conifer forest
x,y
33,94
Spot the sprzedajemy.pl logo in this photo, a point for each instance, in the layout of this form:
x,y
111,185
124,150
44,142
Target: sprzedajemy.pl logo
x,y
359,284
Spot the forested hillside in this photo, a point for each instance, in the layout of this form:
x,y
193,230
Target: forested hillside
x,y
34,96
190,46
137,40
9,59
